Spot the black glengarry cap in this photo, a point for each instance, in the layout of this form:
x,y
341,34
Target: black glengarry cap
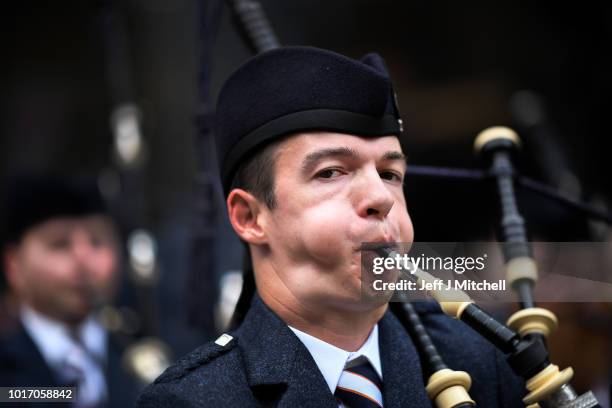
x,y
32,199
297,89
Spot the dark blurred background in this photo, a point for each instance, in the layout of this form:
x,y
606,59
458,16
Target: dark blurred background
x,y
113,89
457,67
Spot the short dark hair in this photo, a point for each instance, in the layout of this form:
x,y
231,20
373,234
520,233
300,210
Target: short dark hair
x,y
256,175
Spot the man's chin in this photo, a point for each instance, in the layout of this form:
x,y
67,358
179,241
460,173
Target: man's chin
x,y
364,305
75,312
360,300
373,297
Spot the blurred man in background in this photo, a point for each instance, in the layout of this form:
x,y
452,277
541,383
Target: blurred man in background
x,y
60,258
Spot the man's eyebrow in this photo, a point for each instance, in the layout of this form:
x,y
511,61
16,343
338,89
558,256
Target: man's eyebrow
x,y
396,156
313,158
393,155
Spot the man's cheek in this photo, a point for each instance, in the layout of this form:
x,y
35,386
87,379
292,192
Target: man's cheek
x,y
403,222
104,264
407,231
325,232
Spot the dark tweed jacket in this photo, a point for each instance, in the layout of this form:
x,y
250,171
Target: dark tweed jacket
x,y
22,365
266,365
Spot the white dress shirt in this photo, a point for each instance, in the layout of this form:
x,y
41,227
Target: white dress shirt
x,y
61,351
331,360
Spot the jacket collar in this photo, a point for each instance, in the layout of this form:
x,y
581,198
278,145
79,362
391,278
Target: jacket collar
x,y
18,351
280,368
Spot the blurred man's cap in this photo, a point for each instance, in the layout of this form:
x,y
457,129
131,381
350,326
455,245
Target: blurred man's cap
x,y
33,199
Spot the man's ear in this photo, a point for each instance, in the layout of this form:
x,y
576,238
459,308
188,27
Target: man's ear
x,y
245,214
10,265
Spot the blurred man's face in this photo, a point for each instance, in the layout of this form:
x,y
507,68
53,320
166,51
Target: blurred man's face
x,y
333,193
64,267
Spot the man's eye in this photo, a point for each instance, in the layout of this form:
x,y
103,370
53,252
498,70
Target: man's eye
x,y
328,173
391,175
96,241
59,243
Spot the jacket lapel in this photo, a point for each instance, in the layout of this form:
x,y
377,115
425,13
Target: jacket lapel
x,y
280,370
403,384
25,360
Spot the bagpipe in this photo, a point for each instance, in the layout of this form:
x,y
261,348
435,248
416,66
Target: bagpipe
x,y
523,338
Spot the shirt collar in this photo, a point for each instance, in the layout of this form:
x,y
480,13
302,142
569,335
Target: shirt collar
x,y
53,338
331,360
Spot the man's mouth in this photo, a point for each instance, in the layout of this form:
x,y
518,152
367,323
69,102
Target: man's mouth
x,y
379,246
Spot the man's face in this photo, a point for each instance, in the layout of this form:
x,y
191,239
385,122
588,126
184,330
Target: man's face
x,y
333,193
64,267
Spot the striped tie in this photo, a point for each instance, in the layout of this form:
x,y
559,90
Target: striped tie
x,y
359,386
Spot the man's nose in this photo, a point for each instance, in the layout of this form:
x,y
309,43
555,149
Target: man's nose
x,y
82,248
375,198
